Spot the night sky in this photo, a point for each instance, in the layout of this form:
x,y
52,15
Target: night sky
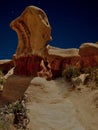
x,y
73,22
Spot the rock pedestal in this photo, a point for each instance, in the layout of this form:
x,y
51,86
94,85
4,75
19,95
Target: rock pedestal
x,y
34,31
27,66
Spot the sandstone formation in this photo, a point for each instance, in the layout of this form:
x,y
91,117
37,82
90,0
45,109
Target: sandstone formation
x,y
27,66
14,88
45,70
59,58
6,65
89,54
34,32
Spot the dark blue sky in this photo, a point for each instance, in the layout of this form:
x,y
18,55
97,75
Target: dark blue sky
x,y
73,22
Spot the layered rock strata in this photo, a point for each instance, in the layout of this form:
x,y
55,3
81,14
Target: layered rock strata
x,y
27,66
34,32
60,58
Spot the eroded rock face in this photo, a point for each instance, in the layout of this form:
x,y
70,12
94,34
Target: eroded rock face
x,y
6,65
89,54
59,58
34,33
27,66
33,30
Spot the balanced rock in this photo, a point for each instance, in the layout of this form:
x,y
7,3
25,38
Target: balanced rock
x,y
89,54
34,32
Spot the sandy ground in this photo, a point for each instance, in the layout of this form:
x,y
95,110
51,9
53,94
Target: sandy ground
x,y
51,106
86,104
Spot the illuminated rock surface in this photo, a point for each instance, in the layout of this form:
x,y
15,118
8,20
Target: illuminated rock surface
x,y
34,33
33,30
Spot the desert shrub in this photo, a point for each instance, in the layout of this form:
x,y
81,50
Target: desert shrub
x,y
2,80
4,123
96,81
92,71
77,82
1,73
86,70
19,112
70,72
92,77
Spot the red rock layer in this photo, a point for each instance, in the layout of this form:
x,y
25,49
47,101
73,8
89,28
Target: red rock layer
x,y
72,61
27,66
56,67
58,64
89,61
89,55
59,59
